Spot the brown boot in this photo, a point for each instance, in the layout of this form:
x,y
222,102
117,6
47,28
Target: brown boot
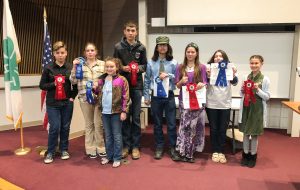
x,y
125,152
135,154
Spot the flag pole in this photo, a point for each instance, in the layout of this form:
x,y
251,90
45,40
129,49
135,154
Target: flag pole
x,y
23,150
41,150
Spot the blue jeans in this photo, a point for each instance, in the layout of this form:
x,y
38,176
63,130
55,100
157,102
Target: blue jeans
x,y
218,123
158,106
113,136
59,120
131,129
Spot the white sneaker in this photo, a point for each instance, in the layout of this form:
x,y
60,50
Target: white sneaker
x,y
48,159
116,164
104,161
65,155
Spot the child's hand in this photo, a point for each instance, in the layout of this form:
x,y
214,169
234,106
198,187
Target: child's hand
x,y
242,90
200,85
123,116
208,71
234,70
162,76
256,86
184,80
126,69
147,102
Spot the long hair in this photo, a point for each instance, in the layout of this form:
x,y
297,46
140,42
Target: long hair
x,y
197,68
224,55
169,53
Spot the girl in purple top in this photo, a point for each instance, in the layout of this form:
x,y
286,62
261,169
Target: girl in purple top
x,y
191,132
114,104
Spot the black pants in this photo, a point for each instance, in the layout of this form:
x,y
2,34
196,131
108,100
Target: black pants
x,y
218,123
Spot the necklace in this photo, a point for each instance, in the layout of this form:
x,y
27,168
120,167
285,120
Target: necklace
x,y
190,68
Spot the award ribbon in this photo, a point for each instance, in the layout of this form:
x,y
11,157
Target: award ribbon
x,y
248,91
133,76
221,79
191,88
89,92
161,92
79,71
60,90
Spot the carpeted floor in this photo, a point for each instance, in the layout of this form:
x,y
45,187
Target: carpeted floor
x,y
278,167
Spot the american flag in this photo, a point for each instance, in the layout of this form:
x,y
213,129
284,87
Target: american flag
x,y
47,59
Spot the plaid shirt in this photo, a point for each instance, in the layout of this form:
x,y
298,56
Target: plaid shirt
x,y
89,74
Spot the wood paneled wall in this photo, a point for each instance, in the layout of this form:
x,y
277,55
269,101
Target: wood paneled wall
x,y
115,14
73,21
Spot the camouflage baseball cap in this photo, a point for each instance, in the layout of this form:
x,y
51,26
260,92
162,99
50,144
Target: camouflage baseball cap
x,y
162,40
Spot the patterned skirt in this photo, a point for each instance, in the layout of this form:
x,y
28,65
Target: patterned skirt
x,y
191,133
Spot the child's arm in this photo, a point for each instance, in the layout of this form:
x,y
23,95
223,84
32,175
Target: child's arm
x,y
235,80
147,82
264,93
125,96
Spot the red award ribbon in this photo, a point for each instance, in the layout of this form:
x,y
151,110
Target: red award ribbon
x,y
60,90
248,90
191,88
133,69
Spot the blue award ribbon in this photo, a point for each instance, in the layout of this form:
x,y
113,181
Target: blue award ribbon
x,y
221,79
79,71
160,88
89,93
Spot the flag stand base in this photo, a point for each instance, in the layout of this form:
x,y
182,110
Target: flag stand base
x,y
41,150
22,151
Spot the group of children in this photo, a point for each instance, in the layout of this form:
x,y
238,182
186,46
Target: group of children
x,y
110,94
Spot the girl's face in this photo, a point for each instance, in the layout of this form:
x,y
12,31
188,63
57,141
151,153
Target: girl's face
x,y
90,52
218,57
162,48
191,54
110,67
60,55
255,65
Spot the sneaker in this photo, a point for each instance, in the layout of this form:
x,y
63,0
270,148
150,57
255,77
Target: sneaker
x,y
104,161
65,155
222,158
116,164
174,154
102,154
215,157
158,154
135,154
125,152
48,159
92,156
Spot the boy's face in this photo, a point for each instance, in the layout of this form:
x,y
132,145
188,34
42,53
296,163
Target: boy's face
x,y
130,33
60,55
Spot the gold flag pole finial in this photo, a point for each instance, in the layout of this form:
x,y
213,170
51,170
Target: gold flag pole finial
x,y
45,14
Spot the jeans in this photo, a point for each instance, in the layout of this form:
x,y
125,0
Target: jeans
x,y
158,107
113,136
59,120
218,123
131,129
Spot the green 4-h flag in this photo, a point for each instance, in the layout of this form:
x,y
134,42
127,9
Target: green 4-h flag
x,y
12,57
